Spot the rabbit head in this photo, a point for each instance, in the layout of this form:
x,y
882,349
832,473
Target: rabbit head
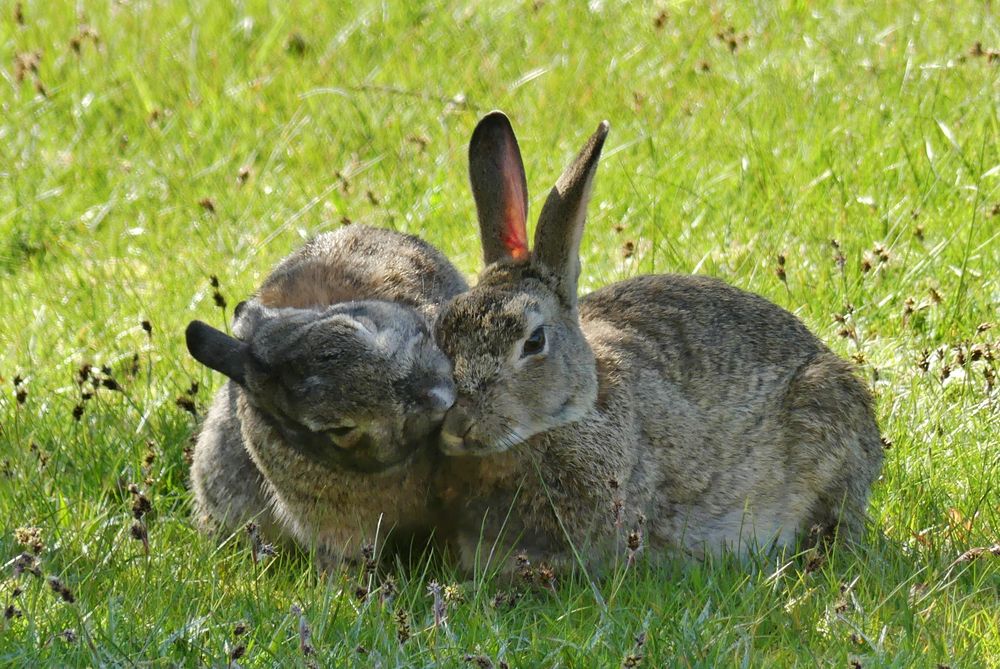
x,y
357,386
521,363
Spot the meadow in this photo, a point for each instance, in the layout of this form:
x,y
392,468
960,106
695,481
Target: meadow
x,y
157,158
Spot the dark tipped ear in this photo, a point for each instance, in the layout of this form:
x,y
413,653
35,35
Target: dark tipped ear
x,y
560,225
217,350
500,189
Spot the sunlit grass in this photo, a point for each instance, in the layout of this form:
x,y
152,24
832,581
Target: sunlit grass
x,y
842,160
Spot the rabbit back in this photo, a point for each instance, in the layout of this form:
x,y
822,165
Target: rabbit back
x,y
750,427
360,262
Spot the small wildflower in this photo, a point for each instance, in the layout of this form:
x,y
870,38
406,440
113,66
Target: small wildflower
x,y
236,653
139,533
61,589
388,589
84,373
140,503
368,554
187,404
634,658
305,633
634,544
440,610
296,44
30,538
39,452
453,594
524,569
255,541
402,619
26,562
505,600
546,576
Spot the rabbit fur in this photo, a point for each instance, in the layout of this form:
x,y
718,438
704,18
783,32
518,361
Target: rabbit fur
x,y
678,409
321,433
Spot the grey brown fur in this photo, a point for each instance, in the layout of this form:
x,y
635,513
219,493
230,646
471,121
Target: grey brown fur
x,y
696,414
337,335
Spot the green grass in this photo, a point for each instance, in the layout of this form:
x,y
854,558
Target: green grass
x,y
731,154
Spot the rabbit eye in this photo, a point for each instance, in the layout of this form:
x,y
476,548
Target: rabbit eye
x,y
341,430
534,344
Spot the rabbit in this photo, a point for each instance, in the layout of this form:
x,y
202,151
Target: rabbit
x,y
660,413
320,434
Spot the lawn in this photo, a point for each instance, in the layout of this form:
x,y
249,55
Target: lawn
x,y
157,158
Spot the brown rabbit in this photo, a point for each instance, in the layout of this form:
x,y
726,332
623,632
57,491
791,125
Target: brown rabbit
x,y
700,415
321,434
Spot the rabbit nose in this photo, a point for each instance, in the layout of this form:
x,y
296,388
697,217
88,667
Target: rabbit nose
x,y
440,398
457,425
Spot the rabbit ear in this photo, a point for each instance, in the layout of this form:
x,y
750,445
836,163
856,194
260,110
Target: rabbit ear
x,y
217,350
499,188
560,225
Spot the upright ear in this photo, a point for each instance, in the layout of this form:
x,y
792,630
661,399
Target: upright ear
x,y
560,225
217,350
500,189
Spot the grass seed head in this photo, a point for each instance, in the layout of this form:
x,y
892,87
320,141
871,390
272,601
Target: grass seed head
x,y
30,538
402,620
26,563
61,589
187,404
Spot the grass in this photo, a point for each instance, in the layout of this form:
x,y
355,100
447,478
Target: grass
x,y
177,141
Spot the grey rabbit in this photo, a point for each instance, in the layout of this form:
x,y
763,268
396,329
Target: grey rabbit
x,y
664,411
321,435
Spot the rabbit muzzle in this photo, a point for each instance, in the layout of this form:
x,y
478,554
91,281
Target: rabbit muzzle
x,y
461,434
